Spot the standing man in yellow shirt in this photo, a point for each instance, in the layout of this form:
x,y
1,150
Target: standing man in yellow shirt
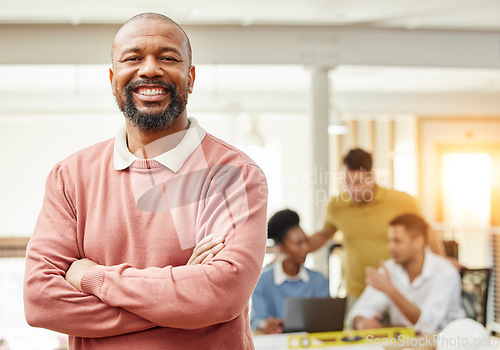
x,y
363,214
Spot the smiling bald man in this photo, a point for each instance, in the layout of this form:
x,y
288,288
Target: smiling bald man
x,y
154,239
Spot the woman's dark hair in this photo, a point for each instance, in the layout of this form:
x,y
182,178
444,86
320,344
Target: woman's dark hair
x,y
279,224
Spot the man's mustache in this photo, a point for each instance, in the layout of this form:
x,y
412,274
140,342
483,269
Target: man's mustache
x,y
169,87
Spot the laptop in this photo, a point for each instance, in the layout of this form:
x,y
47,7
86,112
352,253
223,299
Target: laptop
x,y
314,314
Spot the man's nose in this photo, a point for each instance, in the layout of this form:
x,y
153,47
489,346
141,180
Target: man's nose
x,y
150,68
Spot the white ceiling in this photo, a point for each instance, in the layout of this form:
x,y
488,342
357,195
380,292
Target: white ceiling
x,y
450,14
468,15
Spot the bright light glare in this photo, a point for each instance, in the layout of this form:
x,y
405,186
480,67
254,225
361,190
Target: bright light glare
x,y
467,203
466,189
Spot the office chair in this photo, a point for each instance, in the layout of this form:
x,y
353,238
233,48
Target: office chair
x,y
475,284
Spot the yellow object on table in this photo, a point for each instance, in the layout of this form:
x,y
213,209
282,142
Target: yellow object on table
x,y
342,338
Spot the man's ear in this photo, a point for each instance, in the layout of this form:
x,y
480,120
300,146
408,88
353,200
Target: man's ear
x,y
111,75
422,242
191,77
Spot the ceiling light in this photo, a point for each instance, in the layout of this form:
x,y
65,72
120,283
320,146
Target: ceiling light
x,y
337,129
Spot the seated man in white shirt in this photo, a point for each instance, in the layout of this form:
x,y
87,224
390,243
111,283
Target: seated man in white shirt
x,y
416,287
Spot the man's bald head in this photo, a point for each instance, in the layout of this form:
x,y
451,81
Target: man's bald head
x,y
151,16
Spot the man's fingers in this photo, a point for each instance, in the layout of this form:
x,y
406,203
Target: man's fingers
x,y
219,239
217,248
207,259
369,275
206,246
196,255
382,265
76,271
206,239
210,238
203,247
198,259
208,243
210,254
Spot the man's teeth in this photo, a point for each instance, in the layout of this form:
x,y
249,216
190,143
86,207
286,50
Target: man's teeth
x,y
151,92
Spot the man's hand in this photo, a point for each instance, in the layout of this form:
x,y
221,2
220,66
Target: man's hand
x,y
361,322
380,280
206,250
455,263
272,325
77,270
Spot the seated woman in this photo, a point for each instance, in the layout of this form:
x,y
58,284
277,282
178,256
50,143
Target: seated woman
x,y
287,277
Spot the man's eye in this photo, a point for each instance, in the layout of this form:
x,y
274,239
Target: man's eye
x,y
169,59
128,59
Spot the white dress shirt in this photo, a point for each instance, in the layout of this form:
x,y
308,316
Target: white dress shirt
x,y
436,292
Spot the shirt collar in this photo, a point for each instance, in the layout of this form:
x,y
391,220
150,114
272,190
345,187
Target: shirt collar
x,y
429,264
281,277
173,159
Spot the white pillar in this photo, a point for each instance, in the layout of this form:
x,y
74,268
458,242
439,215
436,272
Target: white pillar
x,y
320,106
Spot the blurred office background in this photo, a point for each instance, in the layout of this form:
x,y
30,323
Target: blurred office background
x,y
293,83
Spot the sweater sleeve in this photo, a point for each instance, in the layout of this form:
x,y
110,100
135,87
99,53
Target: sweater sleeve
x,y
190,297
49,300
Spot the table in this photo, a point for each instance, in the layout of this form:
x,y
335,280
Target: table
x,y
280,342
422,342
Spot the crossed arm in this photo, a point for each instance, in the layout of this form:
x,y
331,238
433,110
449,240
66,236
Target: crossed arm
x,y
118,305
204,251
54,298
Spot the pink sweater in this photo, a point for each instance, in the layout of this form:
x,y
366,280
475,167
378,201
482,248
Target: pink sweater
x,y
141,224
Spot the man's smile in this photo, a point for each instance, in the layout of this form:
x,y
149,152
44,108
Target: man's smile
x,y
150,93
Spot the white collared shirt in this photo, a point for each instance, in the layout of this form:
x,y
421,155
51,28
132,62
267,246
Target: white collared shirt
x,y
172,159
281,277
436,292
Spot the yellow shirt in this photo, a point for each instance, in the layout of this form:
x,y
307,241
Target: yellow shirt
x,y
364,226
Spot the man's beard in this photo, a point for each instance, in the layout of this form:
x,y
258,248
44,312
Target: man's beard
x,y
153,121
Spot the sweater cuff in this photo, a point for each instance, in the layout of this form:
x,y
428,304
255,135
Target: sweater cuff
x,y
92,280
